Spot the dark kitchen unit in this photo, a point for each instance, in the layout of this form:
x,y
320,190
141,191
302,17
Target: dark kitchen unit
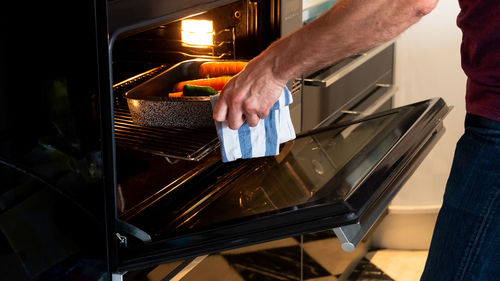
x,y
88,194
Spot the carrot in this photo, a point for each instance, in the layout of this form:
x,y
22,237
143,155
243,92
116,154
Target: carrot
x,y
175,95
217,83
221,68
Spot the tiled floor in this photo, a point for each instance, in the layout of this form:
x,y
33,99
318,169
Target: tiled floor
x,y
276,264
367,271
400,265
322,259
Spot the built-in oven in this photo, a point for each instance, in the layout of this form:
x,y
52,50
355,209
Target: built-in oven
x,y
89,192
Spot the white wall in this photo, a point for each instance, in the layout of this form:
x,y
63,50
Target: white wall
x,y
428,65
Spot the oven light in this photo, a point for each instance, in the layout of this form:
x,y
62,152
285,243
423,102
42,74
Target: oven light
x,y
197,33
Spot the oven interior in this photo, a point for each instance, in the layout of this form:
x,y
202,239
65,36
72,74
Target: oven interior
x,y
240,30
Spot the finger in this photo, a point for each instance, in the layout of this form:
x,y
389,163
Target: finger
x,y
252,120
220,110
235,119
263,115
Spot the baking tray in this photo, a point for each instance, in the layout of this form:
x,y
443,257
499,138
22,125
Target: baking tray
x,y
150,105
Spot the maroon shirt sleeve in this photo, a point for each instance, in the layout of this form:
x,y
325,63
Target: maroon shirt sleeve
x,y
480,24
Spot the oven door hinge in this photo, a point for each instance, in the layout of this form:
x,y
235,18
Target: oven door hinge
x,y
126,231
122,239
118,276
350,235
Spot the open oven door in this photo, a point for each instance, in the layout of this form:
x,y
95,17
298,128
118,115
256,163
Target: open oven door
x,y
339,177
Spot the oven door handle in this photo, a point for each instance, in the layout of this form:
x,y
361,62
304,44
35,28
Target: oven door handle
x,y
373,108
390,93
325,79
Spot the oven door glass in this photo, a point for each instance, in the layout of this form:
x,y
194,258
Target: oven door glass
x,y
331,177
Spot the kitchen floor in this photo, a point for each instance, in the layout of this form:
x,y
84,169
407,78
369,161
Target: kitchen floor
x,y
322,259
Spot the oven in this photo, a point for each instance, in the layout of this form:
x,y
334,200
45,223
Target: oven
x,y
88,192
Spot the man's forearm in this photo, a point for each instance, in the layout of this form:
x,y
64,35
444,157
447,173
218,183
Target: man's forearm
x,y
350,27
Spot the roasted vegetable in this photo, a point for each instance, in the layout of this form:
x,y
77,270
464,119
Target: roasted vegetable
x,y
221,68
175,95
196,91
216,83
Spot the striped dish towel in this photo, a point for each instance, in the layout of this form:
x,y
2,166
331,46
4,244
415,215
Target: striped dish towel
x,y
261,140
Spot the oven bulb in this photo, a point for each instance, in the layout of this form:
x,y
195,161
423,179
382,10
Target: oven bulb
x,y
197,33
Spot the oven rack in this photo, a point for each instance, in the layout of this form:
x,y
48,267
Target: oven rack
x,y
172,143
178,143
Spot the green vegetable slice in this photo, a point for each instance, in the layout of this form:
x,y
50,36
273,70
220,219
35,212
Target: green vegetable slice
x,y
198,91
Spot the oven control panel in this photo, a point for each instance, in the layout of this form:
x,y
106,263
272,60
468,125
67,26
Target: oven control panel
x,y
291,16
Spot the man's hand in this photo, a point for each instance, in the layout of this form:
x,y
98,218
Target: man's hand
x,y
249,95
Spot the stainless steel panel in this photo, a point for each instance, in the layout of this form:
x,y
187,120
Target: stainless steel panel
x,y
291,16
320,103
296,112
295,87
334,74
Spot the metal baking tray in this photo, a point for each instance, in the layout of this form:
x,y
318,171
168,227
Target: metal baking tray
x,y
150,105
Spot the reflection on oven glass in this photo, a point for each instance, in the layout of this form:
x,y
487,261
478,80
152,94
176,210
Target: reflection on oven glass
x,y
355,177
303,177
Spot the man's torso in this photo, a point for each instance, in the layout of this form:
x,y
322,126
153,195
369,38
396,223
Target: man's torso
x,y
480,24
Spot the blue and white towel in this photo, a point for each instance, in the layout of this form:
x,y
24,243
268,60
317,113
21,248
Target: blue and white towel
x,y
261,140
